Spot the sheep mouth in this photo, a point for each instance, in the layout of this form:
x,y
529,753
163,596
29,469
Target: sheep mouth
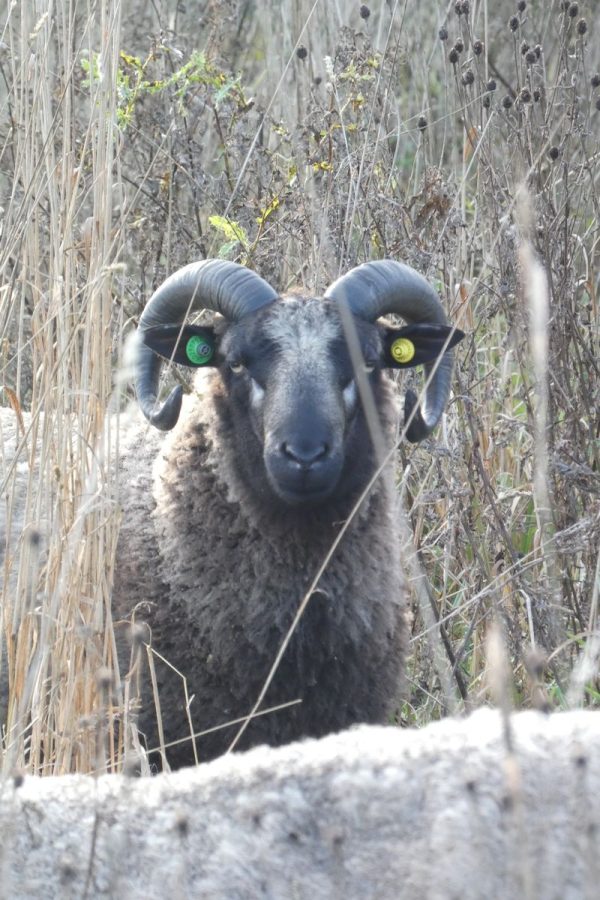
x,y
303,498
303,484
302,490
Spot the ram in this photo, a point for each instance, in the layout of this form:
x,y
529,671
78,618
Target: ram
x,y
228,518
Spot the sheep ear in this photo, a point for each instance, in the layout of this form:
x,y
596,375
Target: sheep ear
x,y
416,344
190,345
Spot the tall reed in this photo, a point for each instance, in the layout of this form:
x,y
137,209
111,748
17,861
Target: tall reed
x,y
60,242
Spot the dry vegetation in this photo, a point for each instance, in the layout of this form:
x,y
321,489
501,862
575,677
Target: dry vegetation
x,y
301,138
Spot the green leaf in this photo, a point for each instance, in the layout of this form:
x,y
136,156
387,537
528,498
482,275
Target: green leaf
x,y
267,210
233,231
227,249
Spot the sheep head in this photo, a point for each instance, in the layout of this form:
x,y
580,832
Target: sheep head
x,y
287,373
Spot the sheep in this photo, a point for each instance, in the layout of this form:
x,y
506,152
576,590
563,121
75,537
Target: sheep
x,y
227,517
227,523
449,810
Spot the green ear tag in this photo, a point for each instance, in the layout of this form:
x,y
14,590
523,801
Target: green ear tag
x,y
198,350
402,350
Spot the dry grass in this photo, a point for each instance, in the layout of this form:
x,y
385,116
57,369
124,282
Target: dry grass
x,y
124,156
58,256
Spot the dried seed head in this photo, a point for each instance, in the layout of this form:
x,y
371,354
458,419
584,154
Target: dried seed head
x,y
137,634
521,5
491,85
84,632
540,701
453,56
301,52
537,95
507,102
524,48
422,123
468,77
182,824
132,767
478,48
68,869
554,153
365,12
513,23
487,101
535,662
538,50
525,96
459,45
573,9
104,678
443,34
34,537
581,27
595,80
530,57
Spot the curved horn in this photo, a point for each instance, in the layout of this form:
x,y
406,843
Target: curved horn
x,y
387,286
225,287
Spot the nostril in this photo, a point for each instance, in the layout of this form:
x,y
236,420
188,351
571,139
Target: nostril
x,y
305,454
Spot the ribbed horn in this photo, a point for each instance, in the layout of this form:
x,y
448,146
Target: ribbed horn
x,y
225,287
386,286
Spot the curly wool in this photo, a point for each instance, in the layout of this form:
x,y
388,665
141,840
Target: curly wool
x,y
218,576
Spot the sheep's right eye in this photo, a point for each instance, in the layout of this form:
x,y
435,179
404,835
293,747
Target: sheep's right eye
x,y
236,367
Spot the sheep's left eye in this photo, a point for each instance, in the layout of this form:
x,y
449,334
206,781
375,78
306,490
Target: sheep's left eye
x,y
369,368
349,393
236,367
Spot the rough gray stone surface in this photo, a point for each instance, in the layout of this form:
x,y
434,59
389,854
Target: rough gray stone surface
x,y
445,812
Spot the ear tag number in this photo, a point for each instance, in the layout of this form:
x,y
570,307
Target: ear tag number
x,y
198,350
402,350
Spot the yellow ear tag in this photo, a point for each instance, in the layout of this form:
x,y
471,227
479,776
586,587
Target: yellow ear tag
x,y
402,350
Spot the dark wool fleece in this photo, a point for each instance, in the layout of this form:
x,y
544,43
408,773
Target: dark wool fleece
x,y
218,578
